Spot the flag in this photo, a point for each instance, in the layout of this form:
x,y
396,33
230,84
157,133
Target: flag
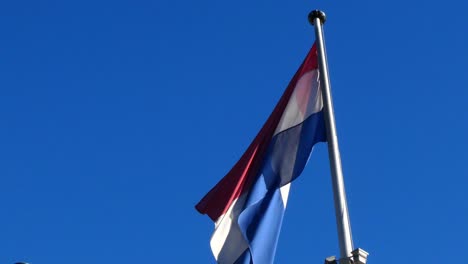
x,y
248,204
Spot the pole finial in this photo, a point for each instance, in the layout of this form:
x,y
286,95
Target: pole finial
x,y
317,14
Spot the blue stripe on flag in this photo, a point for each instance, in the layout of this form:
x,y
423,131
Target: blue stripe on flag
x,y
244,258
290,149
260,224
260,221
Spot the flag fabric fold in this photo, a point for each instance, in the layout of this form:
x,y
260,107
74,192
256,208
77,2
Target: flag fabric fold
x,y
248,204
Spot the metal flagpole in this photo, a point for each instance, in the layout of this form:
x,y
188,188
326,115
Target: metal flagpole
x,y
317,18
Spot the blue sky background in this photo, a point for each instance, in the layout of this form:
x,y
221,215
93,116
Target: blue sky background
x,y
116,117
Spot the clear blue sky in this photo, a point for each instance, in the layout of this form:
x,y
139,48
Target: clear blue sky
x,y
116,117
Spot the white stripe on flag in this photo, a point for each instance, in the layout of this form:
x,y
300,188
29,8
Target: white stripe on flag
x,y
305,101
227,232
285,193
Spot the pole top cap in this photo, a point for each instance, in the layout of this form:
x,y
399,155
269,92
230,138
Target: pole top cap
x,y
317,14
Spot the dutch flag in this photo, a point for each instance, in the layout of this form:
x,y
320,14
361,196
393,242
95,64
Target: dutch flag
x,y
248,204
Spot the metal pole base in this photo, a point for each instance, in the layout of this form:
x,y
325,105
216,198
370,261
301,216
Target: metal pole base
x,y
359,256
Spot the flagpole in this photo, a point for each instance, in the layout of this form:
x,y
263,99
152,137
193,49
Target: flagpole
x,y
317,18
